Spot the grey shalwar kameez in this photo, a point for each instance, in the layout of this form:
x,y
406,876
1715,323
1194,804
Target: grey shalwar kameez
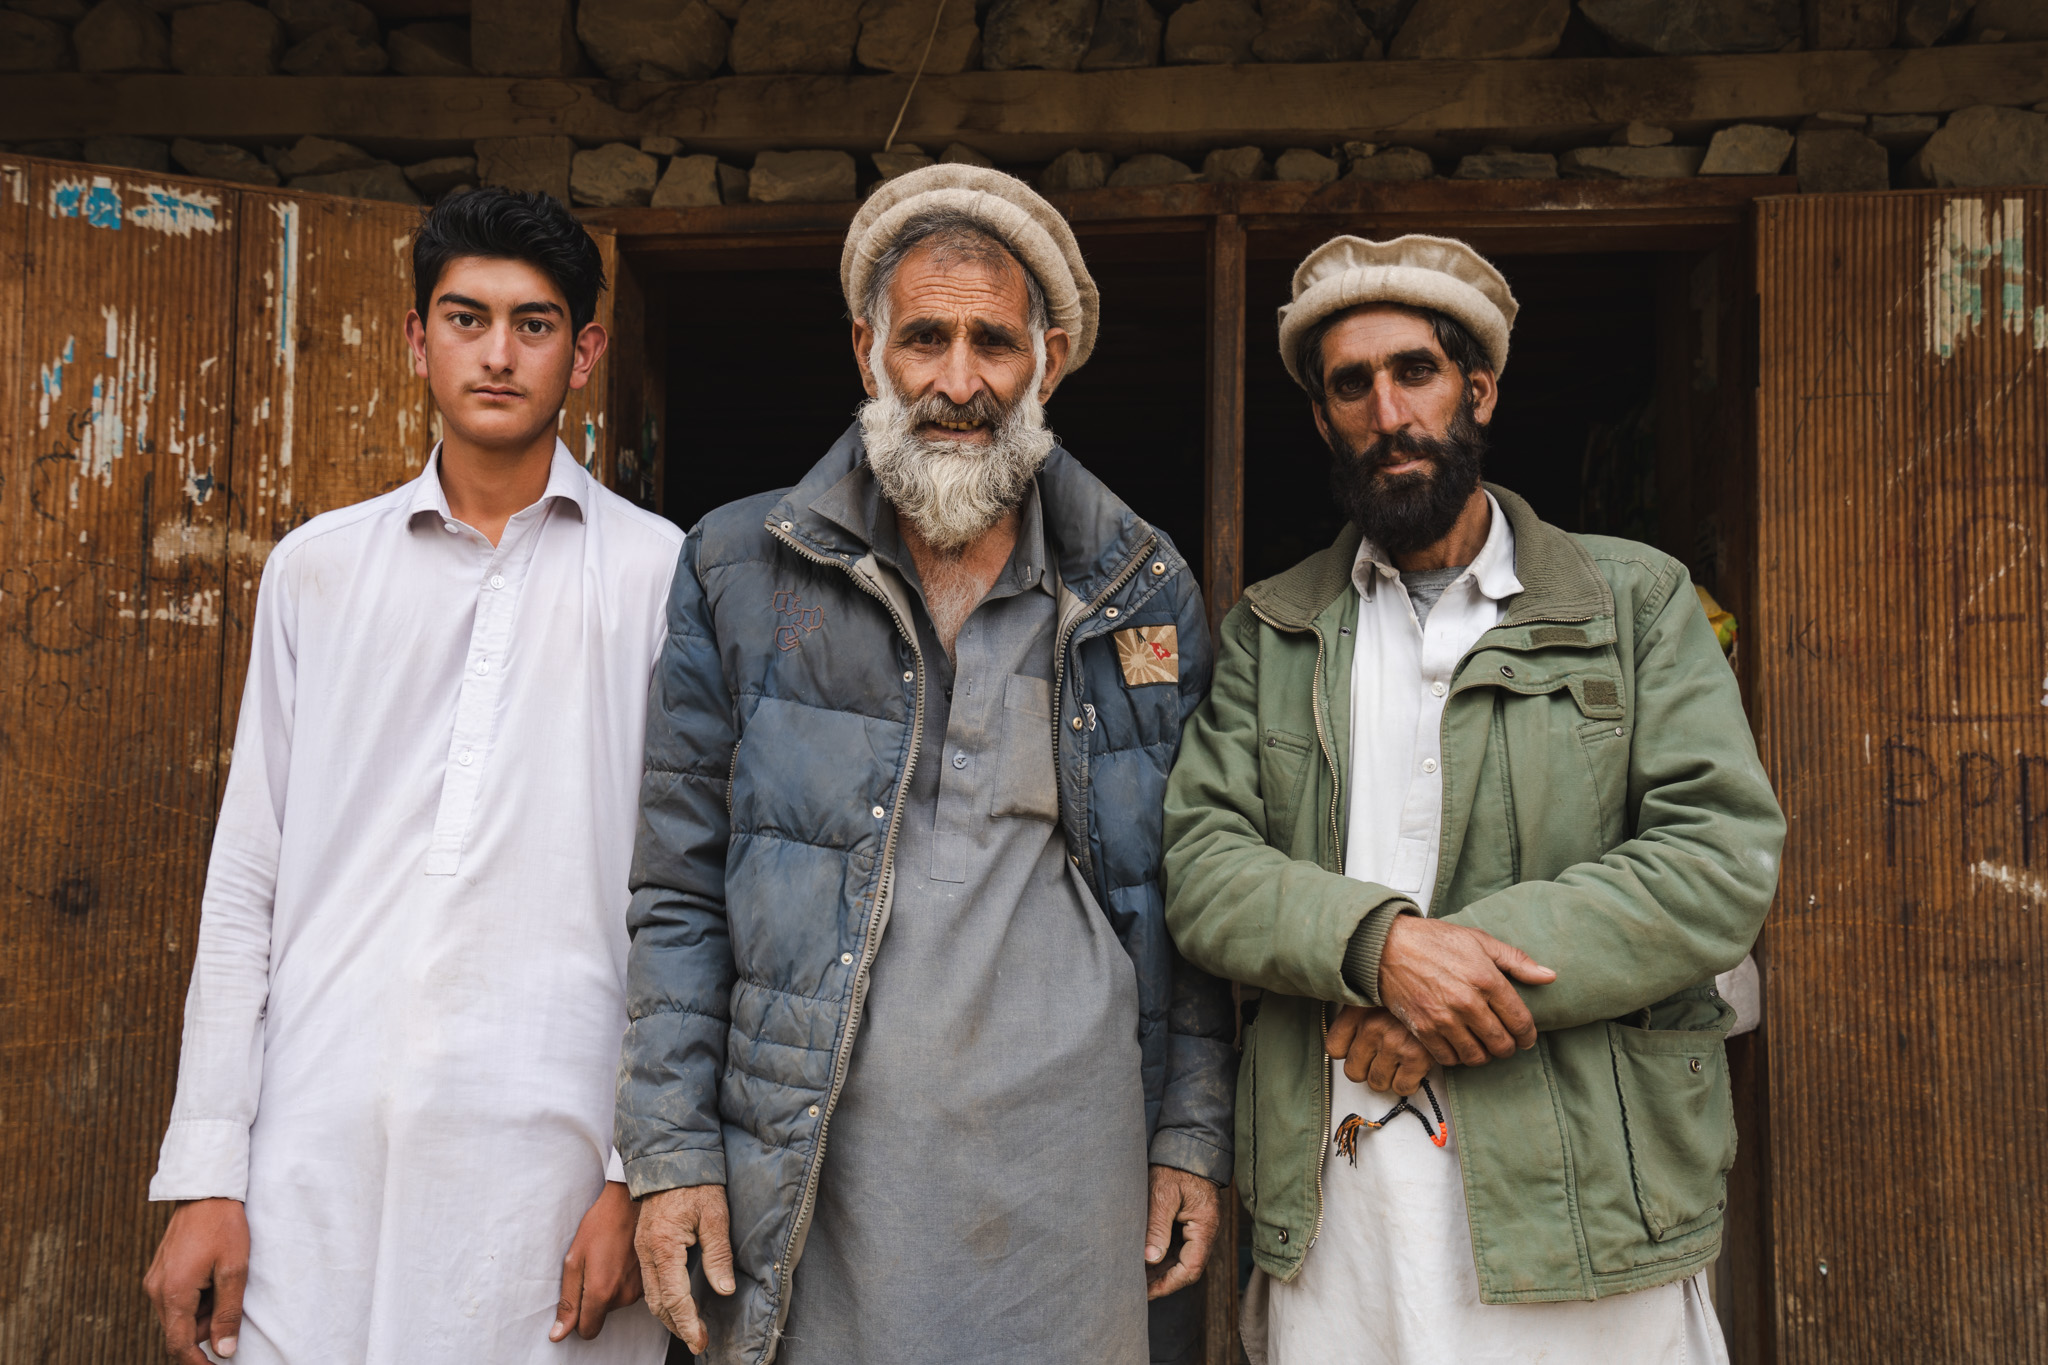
x,y
983,1193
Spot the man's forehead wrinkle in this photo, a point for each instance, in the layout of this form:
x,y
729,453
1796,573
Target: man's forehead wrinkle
x,y
957,298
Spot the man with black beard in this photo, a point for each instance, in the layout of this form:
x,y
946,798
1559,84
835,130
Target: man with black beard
x,y
912,1063
1474,809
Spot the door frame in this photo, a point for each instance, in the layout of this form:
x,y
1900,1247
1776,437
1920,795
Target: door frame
x,y
1265,220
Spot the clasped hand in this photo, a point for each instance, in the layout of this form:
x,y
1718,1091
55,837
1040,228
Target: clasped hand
x,y
1448,998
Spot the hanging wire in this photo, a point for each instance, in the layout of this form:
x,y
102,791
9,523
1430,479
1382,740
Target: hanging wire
x,y
904,108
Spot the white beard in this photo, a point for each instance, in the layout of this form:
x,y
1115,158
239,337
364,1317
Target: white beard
x,y
953,492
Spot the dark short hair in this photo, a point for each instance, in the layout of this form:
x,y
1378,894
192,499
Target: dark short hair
x,y
509,225
1453,338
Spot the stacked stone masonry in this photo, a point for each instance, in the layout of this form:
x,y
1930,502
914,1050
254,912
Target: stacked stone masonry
x,y
637,41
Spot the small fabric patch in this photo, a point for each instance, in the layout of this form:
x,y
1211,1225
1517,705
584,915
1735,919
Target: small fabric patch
x,y
1601,692
1149,654
1557,635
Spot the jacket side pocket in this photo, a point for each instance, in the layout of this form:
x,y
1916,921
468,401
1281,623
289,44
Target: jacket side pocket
x,y
1678,1112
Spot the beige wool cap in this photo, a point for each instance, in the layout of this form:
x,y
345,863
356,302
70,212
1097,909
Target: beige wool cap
x,y
1014,211
1420,272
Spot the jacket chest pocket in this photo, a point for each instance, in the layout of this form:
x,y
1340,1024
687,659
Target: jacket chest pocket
x,y
1283,780
1026,785
1568,759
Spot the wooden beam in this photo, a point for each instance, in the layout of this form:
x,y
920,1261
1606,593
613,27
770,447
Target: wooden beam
x,y
1223,518
1033,115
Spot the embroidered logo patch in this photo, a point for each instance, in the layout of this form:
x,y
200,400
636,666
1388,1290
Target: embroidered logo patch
x,y
1149,654
802,619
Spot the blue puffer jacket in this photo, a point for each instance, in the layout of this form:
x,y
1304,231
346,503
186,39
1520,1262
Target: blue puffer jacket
x,y
782,729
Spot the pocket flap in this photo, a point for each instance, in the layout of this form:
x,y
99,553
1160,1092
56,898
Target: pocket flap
x,y
1598,695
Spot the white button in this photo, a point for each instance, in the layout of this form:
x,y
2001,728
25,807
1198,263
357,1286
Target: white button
x,y
846,959
466,757
497,580
1436,689
482,668
878,812
1429,765
451,527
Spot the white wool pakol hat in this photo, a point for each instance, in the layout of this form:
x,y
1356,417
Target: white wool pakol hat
x,y
1027,224
1417,271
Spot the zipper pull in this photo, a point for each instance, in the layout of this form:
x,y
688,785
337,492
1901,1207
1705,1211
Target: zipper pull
x,y
1089,708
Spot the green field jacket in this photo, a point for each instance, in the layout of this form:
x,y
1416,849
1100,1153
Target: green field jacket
x,y
1604,811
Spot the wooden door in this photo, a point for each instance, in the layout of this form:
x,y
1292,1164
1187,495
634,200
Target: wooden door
x,y
1902,588
187,371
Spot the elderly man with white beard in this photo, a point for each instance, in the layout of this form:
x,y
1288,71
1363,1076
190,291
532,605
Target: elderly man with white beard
x,y
913,1065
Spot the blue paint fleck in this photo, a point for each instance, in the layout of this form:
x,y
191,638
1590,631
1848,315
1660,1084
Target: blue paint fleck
x,y
201,486
65,198
103,207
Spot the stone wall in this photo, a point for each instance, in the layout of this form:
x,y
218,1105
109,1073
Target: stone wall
x,y
628,41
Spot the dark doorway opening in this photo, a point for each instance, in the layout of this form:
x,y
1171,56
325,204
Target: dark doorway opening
x,y
761,379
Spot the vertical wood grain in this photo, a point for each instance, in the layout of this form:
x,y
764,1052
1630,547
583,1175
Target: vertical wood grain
x,y
118,303
1223,532
1902,592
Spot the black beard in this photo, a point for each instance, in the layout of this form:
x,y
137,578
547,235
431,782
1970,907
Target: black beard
x,y
1408,512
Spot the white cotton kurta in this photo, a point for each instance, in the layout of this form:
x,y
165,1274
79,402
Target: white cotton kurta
x,y
402,1034
1390,1280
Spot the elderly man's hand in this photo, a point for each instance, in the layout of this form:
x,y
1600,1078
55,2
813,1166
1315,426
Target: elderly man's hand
x,y
1378,1050
670,1224
1449,985
1187,1199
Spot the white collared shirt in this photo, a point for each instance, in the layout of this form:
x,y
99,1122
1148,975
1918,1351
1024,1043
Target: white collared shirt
x,y
402,1033
1400,678
1390,1278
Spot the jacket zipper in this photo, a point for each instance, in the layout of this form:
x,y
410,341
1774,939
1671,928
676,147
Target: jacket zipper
x,y
884,886
731,776
1337,847
1059,671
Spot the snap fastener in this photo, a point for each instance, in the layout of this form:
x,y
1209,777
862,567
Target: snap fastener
x,y
846,959
1111,613
788,526
878,812
1506,672
814,1111
1077,722
1272,743
1618,730
1157,568
908,675
959,760
1695,1065
1283,1236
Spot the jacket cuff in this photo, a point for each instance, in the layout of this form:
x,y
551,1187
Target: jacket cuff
x,y
673,1171
1368,942
1187,1153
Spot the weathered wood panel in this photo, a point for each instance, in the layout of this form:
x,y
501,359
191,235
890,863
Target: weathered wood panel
x,y
110,667
328,409
1035,115
1903,600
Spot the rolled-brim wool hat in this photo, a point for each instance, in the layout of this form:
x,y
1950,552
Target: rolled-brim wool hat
x,y
1416,271
1011,209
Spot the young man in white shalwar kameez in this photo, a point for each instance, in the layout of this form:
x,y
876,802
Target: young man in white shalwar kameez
x,y
392,1139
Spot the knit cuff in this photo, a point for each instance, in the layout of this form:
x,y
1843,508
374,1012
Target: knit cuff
x,y
1368,941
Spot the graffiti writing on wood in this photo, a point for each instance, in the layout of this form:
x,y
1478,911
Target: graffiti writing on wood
x,y
1982,805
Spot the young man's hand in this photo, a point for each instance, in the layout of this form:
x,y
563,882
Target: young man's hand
x,y
1178,1197
197,1278
670,1224
1449,985
1378,1050
601,1271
